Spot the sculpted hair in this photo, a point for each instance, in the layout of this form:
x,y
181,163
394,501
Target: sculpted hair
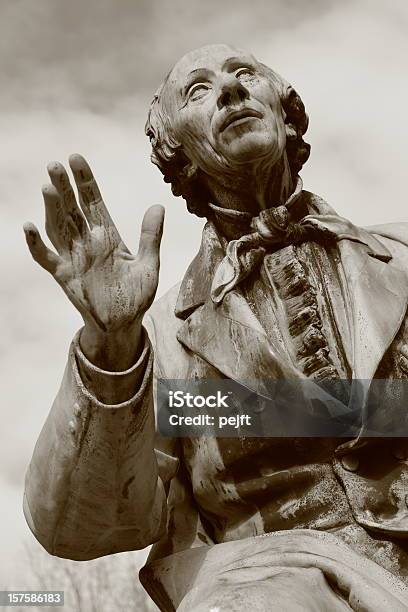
x,y
167,154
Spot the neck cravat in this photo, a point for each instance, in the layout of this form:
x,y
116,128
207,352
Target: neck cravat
x,y
273,228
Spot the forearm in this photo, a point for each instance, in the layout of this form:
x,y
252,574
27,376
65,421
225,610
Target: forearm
x,y
92,487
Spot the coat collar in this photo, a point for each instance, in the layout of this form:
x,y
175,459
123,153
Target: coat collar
x,y
196,284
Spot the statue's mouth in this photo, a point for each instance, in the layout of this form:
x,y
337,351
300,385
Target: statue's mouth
x,y
245,113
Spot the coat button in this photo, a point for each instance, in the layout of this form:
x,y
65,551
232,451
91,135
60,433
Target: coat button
x,y
350,463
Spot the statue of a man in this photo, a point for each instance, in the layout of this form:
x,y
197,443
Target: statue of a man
x,y
282,288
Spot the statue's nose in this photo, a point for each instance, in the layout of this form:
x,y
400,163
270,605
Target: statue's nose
x,y
231,92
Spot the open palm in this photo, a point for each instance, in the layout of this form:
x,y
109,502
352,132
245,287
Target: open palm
x,y
109,286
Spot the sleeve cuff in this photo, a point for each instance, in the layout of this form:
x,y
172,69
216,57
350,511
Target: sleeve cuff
x,y
96,383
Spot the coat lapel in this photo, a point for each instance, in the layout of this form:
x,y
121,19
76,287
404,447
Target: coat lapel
x,y
378,294
228,336
377,290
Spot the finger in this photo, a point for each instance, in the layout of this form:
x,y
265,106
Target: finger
x,y
39,251
60,180
59,226
90,197
151,233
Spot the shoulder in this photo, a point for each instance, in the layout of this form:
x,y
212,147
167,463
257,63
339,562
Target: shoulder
x,y
162,326
395,237
165,305
160,315
397,232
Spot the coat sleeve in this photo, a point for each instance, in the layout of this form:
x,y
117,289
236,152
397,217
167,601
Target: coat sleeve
x,y
93,486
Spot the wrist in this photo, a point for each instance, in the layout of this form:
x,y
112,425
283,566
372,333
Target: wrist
x,y
114,350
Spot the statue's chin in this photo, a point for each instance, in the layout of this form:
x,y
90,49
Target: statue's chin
x,y
251,147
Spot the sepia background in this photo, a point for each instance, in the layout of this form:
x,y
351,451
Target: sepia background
x,y
78,76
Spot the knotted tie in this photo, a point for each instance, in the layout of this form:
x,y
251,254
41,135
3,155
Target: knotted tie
x,y
273,227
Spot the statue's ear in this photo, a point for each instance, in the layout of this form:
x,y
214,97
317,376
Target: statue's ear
x,y
181,172
291,132
190,170
296,119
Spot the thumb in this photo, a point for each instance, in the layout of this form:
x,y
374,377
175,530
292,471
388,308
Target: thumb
x,y
151,233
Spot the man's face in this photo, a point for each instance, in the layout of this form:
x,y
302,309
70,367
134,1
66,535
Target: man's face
x,y
223,109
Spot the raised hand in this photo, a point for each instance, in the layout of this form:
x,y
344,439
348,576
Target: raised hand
x,y
110,287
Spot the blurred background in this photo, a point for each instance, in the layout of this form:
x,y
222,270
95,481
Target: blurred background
x,y
78,77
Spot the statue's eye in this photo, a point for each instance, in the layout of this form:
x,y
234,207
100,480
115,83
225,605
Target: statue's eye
x,y
245,74
198,90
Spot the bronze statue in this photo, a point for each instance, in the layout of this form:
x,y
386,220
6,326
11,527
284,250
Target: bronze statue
x,y
282,288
